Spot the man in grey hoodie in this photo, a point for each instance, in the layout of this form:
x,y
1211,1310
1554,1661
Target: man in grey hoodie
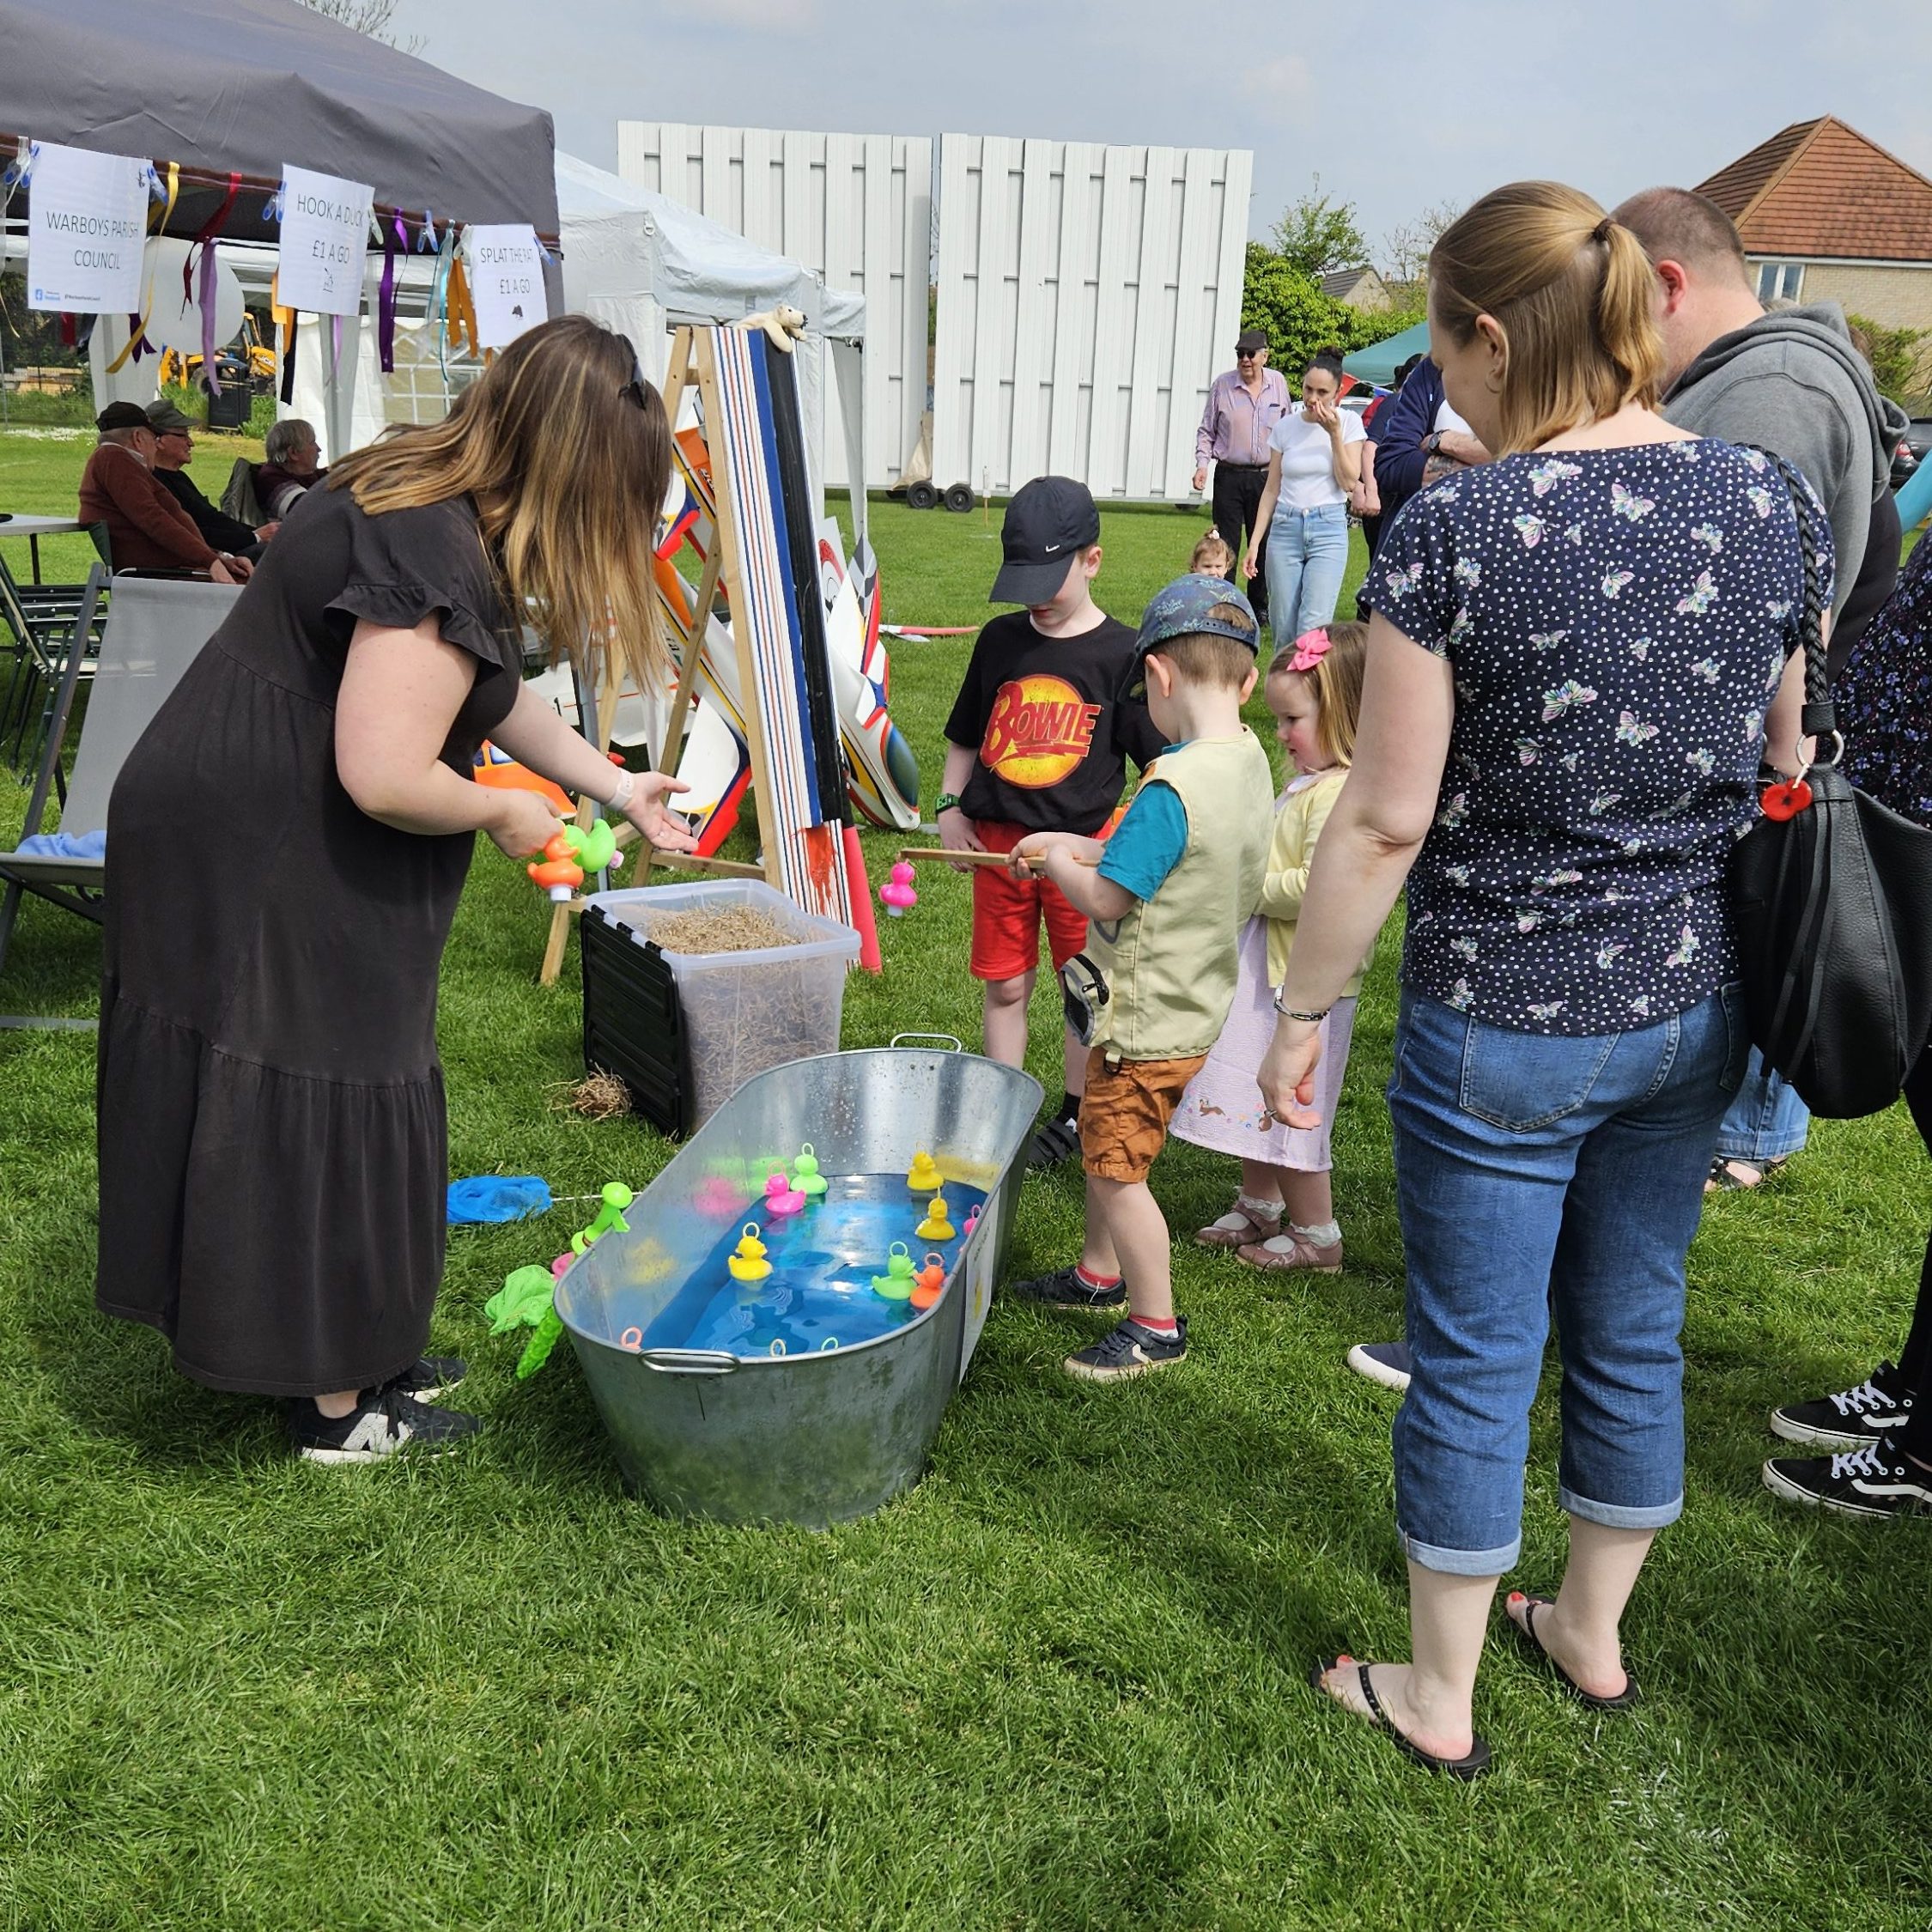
x,y
1788,381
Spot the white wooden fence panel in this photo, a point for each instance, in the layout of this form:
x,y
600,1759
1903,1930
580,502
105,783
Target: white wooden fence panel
x,y
855,209
1087,297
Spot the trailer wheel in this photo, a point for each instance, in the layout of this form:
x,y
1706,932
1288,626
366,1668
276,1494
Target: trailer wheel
x,y
921,496
959,498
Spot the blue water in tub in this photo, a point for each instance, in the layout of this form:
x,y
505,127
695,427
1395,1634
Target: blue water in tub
x,y
819,1292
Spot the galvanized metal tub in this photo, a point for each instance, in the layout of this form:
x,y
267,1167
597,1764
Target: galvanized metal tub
x,y
810,1439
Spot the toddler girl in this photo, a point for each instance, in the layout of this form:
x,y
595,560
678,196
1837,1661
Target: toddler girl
x,y
1211,557
1285,1215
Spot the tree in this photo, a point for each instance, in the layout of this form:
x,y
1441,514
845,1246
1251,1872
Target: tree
x,y
1407,249
1285,301
366,16
1901,359
1316,234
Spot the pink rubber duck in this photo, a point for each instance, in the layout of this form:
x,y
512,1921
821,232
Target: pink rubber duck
x,y
717,1199
897,892
781,1196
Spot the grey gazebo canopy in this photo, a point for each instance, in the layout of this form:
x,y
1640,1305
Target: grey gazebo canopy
x,y
242,87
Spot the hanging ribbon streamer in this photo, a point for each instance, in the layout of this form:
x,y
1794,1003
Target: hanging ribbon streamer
x,y
437,309
204,240
462,310
137,343
394,243
284,319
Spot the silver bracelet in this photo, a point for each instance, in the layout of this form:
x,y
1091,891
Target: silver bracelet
x,y
1288,1012
627,784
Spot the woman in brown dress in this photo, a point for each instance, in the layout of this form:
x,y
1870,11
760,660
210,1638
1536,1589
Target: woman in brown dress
x,y
272,1133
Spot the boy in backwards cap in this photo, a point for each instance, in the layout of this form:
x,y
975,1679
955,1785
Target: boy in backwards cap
x,y
1037,742
1168,895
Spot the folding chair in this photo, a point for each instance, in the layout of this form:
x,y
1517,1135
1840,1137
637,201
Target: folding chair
x,y
42,641
154,630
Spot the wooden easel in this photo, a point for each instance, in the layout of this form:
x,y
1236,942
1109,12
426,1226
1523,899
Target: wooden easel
x,y
691,361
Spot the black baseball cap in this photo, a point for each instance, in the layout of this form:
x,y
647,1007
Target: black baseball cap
x,y
1049,521
122,415
1249,340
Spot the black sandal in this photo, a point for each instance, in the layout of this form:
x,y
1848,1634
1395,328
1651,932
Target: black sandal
x,y
1473,1765
1054,1142
1526,1635
1722,1180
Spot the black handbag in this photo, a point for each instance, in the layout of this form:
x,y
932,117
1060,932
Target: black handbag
x,y
1830,895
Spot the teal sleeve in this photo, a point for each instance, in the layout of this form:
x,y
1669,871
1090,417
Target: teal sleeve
x,y
1147,844
1915,500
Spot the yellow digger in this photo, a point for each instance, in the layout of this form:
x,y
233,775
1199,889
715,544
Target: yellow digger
x,y
182,370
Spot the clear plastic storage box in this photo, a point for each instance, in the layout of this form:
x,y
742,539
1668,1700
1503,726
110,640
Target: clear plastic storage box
x,y
686,1047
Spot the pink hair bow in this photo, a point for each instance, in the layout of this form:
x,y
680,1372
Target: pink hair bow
x,y
1310,647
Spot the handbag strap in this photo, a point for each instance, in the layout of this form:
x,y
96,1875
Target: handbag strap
x,y
1820,717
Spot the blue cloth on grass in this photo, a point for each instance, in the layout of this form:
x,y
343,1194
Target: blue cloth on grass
x,y
496,1197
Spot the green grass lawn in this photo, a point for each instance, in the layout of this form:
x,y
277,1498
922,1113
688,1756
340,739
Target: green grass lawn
x,y
1059,1685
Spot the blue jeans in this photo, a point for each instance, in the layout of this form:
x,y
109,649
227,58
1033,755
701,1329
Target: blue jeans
x,y
1306,555
1767,1121
1539,1176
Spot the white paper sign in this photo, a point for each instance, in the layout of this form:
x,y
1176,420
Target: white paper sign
x,y
89,220
324,239
505,282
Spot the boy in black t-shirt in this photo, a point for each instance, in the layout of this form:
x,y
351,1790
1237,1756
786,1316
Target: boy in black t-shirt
x,y
1037,742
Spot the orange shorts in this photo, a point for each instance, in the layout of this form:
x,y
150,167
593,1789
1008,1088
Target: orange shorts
x,y
1125,1111
1007,912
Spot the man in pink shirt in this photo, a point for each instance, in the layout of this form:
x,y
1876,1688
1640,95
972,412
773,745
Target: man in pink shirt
x,y
1244,406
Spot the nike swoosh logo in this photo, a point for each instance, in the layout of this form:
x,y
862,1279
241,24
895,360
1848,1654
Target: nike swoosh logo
x,y
1051,548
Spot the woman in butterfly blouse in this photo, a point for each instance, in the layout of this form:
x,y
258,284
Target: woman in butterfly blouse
x,y
1577,655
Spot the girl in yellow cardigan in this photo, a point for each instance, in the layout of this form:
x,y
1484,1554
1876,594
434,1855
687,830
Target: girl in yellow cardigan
x,y
1285,1215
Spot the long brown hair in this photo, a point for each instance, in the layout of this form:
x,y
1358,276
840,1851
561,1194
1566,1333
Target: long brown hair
x,y
567,464
1570,289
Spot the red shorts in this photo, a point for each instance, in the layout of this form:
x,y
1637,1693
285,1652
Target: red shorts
x,y
1007,911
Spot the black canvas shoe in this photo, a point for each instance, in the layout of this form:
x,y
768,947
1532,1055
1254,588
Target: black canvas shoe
x,y
1065,1289
1850,1418
429,1377
1875,1480
1128,1350
1053,1144
382,1424
1385,1362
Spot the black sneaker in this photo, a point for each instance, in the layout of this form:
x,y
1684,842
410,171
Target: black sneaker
x,y
429,1377
1065,1289
1053,1144
383,1423
1850,1418
1128,1350
1875,1480
1385,1362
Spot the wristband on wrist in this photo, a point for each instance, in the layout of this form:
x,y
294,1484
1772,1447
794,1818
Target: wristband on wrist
x,y
627,785
1290,1013
947,801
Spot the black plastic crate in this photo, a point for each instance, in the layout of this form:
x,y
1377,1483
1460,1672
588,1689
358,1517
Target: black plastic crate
x,y
634,1026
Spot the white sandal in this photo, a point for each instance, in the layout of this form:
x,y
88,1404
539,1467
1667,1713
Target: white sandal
x,y
1239,1227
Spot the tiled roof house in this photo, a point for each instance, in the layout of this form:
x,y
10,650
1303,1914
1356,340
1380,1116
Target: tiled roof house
x,y
1828,215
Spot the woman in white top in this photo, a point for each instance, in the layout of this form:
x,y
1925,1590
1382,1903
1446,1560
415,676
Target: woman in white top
x,y
1315,461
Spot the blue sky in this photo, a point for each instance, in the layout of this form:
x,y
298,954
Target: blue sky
x,y
1436,102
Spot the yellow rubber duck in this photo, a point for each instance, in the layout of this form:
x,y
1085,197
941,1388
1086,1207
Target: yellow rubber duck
x,y
925,1178
747,1260
936,1226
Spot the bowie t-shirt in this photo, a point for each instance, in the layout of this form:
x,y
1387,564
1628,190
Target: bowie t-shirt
x,y
1053,731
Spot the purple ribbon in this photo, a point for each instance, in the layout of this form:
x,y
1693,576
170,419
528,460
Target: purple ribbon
x,y
210,374
394,242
